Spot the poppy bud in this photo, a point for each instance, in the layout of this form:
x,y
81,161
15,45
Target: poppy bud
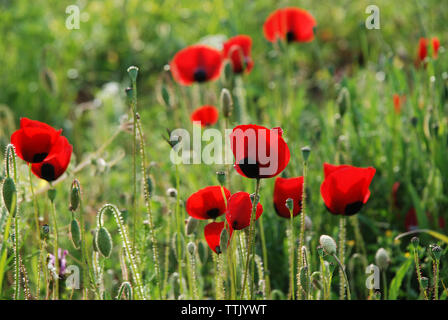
x,y
289,203
382,259
415,241
424,282
328,244
95,247
171,192
166,97
75,233
103,242
133,72
436,251
10,195
191,247
74,197
191,225
343,101
226,102
221,177
52,194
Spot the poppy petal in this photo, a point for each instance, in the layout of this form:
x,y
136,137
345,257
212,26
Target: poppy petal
x,y
212,233
288,188
207,203
240,209
206,115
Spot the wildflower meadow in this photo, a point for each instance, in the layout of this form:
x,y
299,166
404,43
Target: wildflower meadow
x,y
223,150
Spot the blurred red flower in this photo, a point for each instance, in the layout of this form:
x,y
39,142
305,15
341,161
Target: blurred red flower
x,y
207,203
290,24
212,233
423,48
411,221
206,115
398,101
259,152
239,210
346,188
197,63
43,146
238,51
284,189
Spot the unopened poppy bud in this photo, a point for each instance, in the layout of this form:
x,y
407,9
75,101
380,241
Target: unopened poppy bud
x,y
382,259
74,197
221,175
10,195
171,192
191,225
415,241
289,204
52,194
133,72
424,282
95,248
320,251
315,280
75,233
306,153
343,101
103,242
166,97
436,251
328,244
191,247
226,102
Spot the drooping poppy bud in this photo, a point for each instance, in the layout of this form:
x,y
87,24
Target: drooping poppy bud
x,y
346,188
238,51
206,115
239,210
259,152
285,188
290,24
197,63
207,203
212,233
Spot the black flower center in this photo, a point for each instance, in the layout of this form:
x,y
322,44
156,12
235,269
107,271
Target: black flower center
x,y
39,157
213,213
290,36
47,172
200,75
235,225
250,169
218,249
353,208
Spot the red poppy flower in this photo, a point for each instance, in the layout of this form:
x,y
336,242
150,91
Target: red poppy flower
x,y
212,233
207,203
284,189
198,63
237,50
346,188
42,146
239,210
397,103
290,24
259,152
411,222
57,161
206,115
423,48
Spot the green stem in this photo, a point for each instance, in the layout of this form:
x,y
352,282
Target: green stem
x,y
342,269
341,260
302,224
16,258
291,255
436,279
419,274
55,252
265,257
251,235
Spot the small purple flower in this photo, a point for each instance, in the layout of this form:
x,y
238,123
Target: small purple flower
x,y
62,261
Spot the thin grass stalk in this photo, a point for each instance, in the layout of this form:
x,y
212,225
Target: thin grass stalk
x,y
436,278
55,250
342,284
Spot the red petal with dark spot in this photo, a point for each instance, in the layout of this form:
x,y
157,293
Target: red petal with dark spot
x,y
206,115
212,233
240,209
207,203
238,51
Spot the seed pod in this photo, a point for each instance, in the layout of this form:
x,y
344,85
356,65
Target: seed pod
x,y
415,241
226,102
306,153
328,244
436,251
75,233
171,192
52,194
289,204
191,225
10,195
133,72
382,259
103,242
221,175
74,198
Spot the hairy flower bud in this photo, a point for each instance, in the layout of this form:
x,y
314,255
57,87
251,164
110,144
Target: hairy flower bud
x,y
328,244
